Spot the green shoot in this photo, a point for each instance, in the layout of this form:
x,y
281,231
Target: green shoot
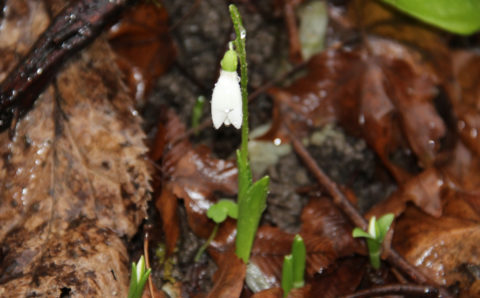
x,y
197,112
138,278
299,253
287,275
218,212
293,269
377,230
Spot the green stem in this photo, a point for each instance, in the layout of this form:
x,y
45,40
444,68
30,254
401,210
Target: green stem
x,y
206,244
374,252
242,55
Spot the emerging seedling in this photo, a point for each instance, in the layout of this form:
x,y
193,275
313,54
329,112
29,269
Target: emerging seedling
x,y
138,278
293,269
230,106
218,212
375,236
197,112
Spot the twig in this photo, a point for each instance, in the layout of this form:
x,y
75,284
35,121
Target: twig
x,y
343,203
146,241
408,290
338,197
73,28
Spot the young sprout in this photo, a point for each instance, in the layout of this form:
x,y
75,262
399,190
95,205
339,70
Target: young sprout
x,y
197,112
218,212
293,269
138,278
377,230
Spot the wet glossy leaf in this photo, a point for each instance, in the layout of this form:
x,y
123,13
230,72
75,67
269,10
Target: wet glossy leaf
x,y
229,277
440,247
343,280
74,183
380,90
142,42
325,222
193,174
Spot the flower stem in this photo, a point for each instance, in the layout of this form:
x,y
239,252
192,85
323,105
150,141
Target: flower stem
x,y
242,55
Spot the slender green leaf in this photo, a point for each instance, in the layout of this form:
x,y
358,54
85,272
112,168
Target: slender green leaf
x,y
457,16
287,275
299,253
197,111
383,224
250,209
244,176
133,281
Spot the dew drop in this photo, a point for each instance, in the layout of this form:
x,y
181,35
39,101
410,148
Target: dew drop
x,y
39,71
243,33
277,142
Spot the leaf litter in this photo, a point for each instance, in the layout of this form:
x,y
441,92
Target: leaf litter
x,y
72,193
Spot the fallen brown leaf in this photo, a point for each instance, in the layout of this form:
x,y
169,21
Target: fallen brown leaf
x,y
342,280
440,247
229,277
379,89
74,182
142,42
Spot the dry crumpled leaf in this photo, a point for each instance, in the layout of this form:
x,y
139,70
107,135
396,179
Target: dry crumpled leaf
x,y
425,190
327,236
464,92
229,277
191,174
379,89
74,181
342,280
441,248
144,47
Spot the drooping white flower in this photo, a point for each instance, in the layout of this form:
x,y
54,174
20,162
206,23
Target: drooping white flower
x,y
227,97
227,100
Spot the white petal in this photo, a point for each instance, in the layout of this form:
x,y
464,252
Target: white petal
x,y
227,101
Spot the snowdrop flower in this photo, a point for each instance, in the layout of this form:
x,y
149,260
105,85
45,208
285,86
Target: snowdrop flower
x,y
226,97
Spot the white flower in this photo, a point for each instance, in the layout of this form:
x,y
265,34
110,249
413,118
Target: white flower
x,y
227,100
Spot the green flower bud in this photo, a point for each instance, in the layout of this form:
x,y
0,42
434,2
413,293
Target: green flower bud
x,y
229,61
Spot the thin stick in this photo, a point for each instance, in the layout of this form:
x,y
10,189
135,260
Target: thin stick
x,y
407,290
343,203
73,29
147,263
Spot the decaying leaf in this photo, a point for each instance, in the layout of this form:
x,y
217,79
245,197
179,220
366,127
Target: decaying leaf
x,y
191,174
342,280
379,90
442,248
74,181
229,277
143,45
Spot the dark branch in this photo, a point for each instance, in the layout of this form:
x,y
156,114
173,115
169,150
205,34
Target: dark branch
x,y
71,30
344,204
407,290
